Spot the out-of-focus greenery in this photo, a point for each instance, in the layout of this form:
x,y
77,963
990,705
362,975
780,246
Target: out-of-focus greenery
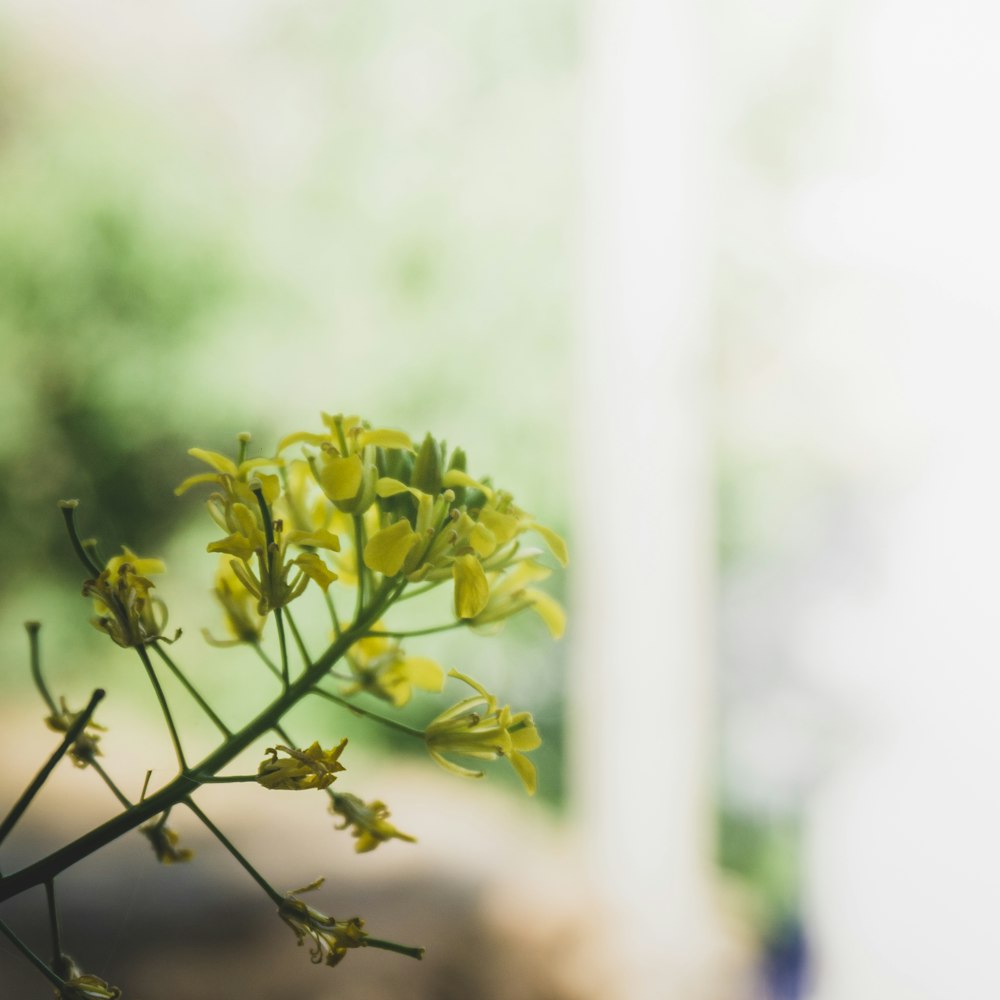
x,y
209,228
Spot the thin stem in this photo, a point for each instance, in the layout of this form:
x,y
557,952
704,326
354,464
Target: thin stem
x,y
296,635
400,949
106,778
268,662
359,547
33,629
191,690
381,633
271,550
164,707
229,846
334,617
224,779
420,591
391,723
279,622
68,508
56,981
180,787
50,899
32,790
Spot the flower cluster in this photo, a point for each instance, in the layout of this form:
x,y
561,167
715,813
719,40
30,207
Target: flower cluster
x,y
359,518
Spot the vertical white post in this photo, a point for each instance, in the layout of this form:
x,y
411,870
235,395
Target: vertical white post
x,y
644,534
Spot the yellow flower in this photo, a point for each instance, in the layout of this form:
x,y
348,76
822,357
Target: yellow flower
x,y
509,593
243,621
330,939
84,747
125,609
484,735
346,468
88,988
264,568
381,668
164,842
367,821
313,767
233,476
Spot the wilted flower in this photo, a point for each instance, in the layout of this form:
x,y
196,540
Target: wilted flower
x,y
84,747
330,939
125,609
313,767
164,842
367,822
88,988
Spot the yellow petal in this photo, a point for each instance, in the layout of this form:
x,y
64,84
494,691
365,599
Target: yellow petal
x,y
320,539
554,542
389,487
218,462
503,526
424,673
525,771
385,439
549,610
201,477
472,589
387,549
455,477
316,569
341,477
303,436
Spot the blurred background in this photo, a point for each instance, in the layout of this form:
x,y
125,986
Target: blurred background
x,y
709,286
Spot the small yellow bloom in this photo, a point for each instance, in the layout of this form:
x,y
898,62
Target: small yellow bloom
x,y
125,609
313,767
243,621
510,593
368,822
84,748
381,668
164,842
330,939
484,735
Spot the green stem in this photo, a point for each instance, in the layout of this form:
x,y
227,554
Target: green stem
x,y
59,984
420,631
420,591
191,690
68,508
359,548
164,707
297,636
334,617
229,846
279,622
391,723
36,665
181,787
50,899
400,949
106,778
223,779
32,790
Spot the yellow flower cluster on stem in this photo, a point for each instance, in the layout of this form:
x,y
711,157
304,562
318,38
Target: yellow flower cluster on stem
x,y
362,518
